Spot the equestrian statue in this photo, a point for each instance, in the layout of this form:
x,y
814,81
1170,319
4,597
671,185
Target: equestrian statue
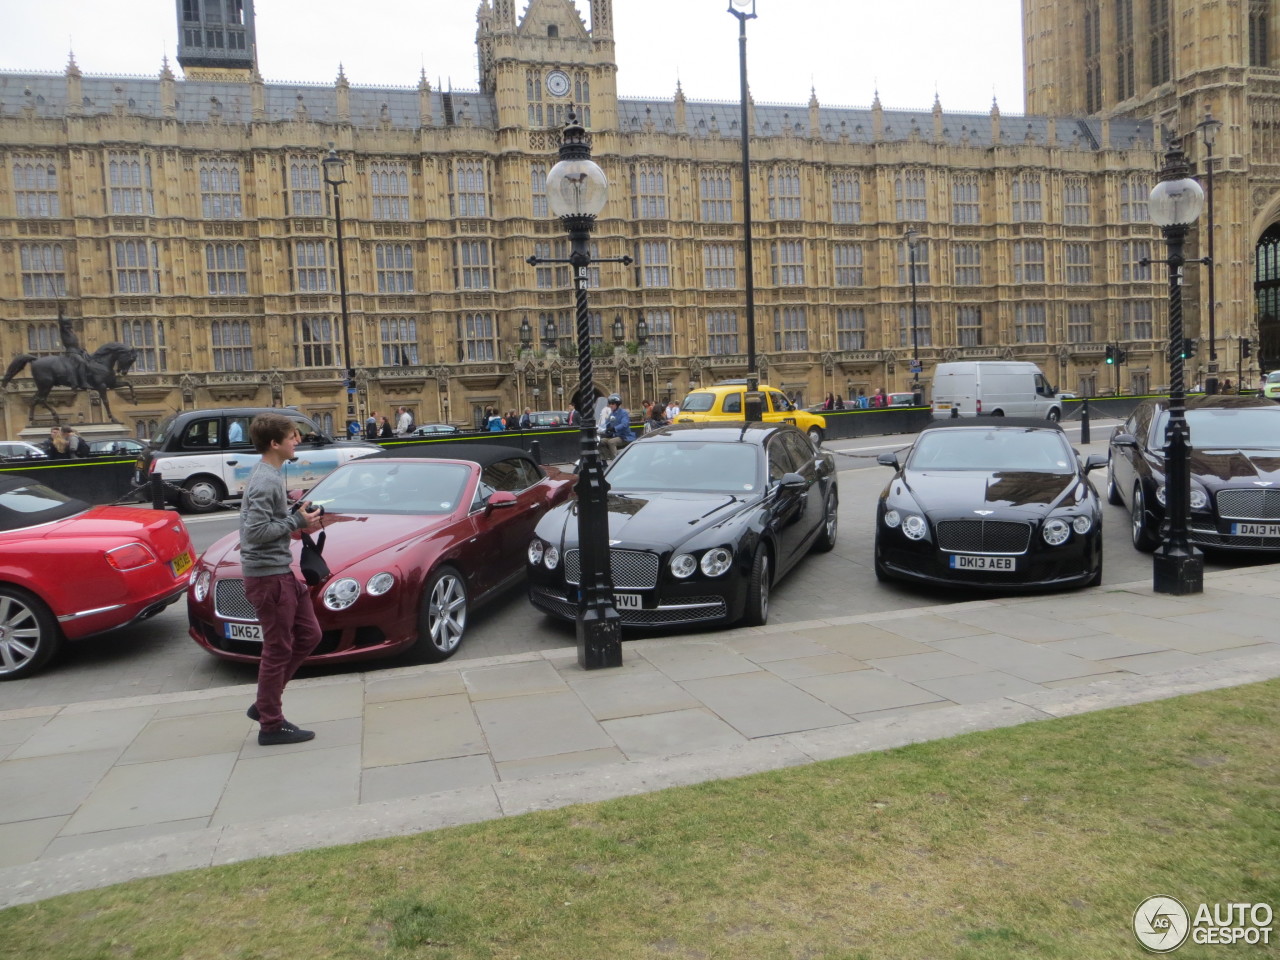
x,y
100,371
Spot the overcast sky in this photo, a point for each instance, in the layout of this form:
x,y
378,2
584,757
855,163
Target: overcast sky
x,y
964,50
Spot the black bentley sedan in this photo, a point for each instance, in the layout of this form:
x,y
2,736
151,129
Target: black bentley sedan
x,y
704,519
1235,472
994,504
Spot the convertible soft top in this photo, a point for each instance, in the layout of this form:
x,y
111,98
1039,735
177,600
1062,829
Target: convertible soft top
x,y
25,502
476,452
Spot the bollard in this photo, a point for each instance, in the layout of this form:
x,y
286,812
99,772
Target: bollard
x,y
1084,421
955,412
535,451
157,491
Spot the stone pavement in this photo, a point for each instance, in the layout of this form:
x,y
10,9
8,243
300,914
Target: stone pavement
x,y
98,793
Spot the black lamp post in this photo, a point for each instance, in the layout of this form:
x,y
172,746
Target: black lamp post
x,y
1209,128
334,175
576,192
1178,567
913,237
753,409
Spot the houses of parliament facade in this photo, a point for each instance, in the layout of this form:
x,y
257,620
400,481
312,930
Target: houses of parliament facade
x,y
190,219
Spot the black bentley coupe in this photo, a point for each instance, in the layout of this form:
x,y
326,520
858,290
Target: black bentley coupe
x,y
704,519
994,504
1235,472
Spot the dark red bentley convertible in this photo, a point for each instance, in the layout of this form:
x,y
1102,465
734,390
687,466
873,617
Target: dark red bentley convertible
x,y
414,541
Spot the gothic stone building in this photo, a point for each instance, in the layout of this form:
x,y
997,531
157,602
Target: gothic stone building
x,y
189,218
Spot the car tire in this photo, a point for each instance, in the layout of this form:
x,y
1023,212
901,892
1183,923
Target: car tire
x,y
815,436
443,619
1143,538
202,495
826,541
29,635
1054,415
757,612
1113,492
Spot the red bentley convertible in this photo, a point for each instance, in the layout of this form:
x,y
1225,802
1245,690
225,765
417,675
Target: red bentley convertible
x,y
413,542
69,570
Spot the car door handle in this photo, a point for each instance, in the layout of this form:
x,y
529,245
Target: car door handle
x,y
232,463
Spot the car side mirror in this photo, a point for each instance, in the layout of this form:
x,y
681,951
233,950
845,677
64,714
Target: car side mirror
x,y
1094,461
499,500
888,460
1124,440
793,482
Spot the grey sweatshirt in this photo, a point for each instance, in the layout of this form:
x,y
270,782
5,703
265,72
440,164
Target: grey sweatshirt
x,y
265,524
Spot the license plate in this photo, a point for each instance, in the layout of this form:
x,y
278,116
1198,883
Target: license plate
x,y
966,562
1255,529
251,632
181,563
942,406
627,601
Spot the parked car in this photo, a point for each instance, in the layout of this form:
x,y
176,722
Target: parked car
x,y
1271,385
120,446
205,456
1235,472
996,388
434,430
994,505
70,571
20,450
547,418
416,538
902,399
724,402
704,520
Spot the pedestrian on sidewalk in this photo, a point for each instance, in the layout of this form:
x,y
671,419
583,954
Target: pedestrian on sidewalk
x,y
279,596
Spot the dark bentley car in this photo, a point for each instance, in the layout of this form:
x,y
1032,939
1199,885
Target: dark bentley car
x,y
704,519
1000,504
1235,472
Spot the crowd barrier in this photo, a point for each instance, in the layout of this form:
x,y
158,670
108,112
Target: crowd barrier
x,y
109,478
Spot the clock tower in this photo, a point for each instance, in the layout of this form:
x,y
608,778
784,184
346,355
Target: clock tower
x,y
535,68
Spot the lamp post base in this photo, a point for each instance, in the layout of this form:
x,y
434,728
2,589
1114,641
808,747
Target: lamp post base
x,y
1177,571
599,638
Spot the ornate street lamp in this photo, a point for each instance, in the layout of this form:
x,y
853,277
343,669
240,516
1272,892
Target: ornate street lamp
x,y
526,334
753,409
549,334
335,175
1178,567
1209,128
619,331
576,193
913,237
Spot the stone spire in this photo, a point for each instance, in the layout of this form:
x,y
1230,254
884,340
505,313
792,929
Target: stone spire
x,y
426,117
682,126
995,121
815,114
168,90
344,96
877,118
75,93
937,116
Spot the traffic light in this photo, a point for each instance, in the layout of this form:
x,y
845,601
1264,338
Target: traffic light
x,y
1122,356
1246,348
1188,348
1111,353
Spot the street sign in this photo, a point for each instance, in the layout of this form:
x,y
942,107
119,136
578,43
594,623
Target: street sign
x,y
916,366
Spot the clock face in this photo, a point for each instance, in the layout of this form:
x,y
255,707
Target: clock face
x,y
557,83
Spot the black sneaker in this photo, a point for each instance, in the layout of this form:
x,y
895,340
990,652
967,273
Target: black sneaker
x,y
285,733
252,712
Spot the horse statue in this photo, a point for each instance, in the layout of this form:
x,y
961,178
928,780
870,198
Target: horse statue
x,y
104,370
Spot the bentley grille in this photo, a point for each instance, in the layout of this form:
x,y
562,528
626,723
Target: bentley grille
x,y
230,603
1249,504
632,569
983,536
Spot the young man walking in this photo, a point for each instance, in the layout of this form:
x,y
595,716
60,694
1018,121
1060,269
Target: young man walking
x,y
289,628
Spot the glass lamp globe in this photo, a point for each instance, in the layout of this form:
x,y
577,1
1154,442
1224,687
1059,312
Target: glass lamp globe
x,y
577,188
1175,202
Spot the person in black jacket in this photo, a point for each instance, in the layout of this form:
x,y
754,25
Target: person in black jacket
x,y
386,431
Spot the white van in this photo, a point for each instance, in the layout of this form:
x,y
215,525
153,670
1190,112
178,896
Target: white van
x,y
997,388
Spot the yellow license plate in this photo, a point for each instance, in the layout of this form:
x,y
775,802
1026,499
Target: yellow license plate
x,y
181,563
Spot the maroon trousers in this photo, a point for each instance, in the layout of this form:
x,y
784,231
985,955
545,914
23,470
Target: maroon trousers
x,y
289,634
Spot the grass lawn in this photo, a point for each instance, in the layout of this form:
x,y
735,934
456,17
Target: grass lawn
x,y
1033,841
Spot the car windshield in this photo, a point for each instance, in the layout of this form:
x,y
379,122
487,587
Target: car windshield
x,y
698,465
698,402
1273,377
992,449
1226,428
385,486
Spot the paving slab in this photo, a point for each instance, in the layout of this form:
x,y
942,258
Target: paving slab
x,y
814,666
26,841
926,627
926,666
671,734
1026,660
429,728
287,784
576,761
511,679
81,733
143,793
864,691
413,686
764,705
84,842
694,659
609,697
426,776
977,687
865,641
539,725
40,787
193,735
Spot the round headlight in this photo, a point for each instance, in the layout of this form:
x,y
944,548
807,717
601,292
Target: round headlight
x,y
535,551
200,589
683,565
915,527
1199,499
341,594
892,519
1056,531
1160,494
716,562
551,557
379,584
1082,525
